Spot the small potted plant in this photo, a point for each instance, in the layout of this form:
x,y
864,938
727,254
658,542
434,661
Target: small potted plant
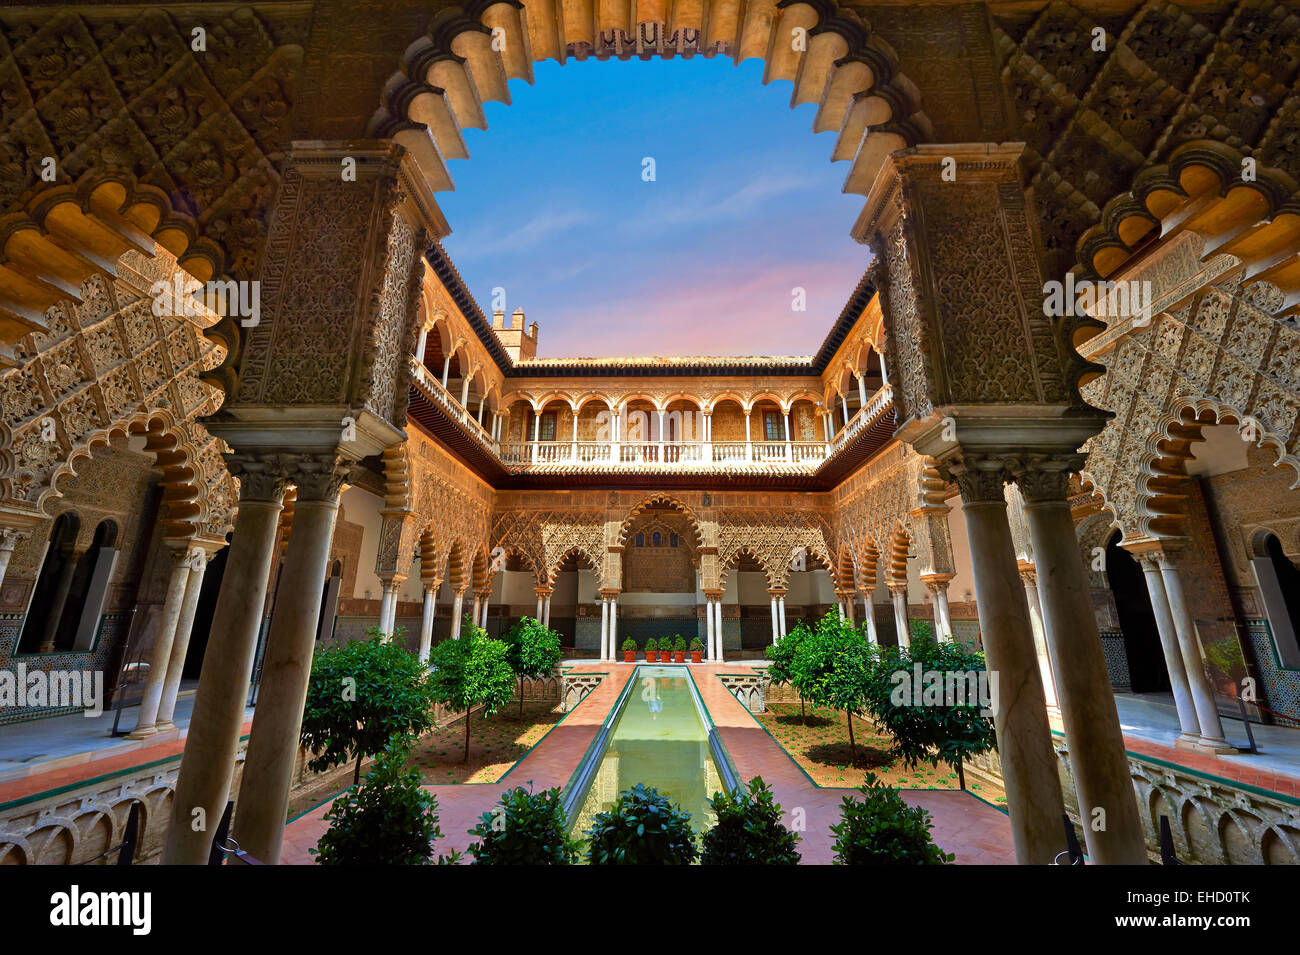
x,y
651,651
629,650
679,649
697,650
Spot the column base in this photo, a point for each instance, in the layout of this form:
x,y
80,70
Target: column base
x,y
143,732
1199,744
1220,747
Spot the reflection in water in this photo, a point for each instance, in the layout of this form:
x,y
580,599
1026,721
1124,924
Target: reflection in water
x,y
658,740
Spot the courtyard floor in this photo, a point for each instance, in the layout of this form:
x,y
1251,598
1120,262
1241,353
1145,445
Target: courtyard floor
x,y
976,832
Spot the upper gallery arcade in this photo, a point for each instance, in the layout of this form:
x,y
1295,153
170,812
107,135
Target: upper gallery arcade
x,y
210,490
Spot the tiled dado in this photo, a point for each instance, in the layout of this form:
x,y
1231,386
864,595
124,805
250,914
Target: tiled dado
x,y
113,628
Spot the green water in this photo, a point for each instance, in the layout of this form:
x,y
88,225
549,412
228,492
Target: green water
x,y
658,740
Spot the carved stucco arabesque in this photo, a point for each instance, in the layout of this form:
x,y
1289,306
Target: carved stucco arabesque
x,y
340,288
107,367
121,92
1212,347
958,273
895,497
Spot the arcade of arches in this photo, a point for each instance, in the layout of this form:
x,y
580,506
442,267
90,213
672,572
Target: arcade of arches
x,y
1103,502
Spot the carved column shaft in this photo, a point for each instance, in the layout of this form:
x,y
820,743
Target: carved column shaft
x,y
290,645
1029,763
1099,764
207,767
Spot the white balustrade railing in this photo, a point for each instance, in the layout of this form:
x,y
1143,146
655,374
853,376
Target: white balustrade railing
x,y
685,454
630,455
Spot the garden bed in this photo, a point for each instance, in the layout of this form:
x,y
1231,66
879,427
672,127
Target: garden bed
x,y
495,744
821,748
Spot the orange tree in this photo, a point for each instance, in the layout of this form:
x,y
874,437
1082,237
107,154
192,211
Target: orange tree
x,y
834,666
471,671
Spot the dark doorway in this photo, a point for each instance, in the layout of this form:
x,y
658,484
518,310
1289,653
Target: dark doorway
x,y
1146,659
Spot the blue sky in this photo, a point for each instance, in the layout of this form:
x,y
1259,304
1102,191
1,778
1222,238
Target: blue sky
x,y
746,205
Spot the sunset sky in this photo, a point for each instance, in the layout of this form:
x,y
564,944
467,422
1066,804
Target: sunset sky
x,y
746,205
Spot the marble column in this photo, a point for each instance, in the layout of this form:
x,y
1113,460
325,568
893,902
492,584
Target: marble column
x,y
457,604
546,612
1112,827
1029,763
718,629
541,599
1030,578
426,620
780,613
938,588
273,742
203,785
176,555
1189,725
869,615
613,627
776,624
475,614
604,628
1207,711
898,593
198,561
708,627
386,604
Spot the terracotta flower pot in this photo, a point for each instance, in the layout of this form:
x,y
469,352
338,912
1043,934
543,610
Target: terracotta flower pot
x,y
652,656
697,656
679,656
629,656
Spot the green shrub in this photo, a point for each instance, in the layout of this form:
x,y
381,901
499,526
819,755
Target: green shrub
x,y
697,643
470,672
881,829
629,644
679,644
651,646
390,819
532,650
525,829
641,828
835,666
940,728
749,830
783,654
362,695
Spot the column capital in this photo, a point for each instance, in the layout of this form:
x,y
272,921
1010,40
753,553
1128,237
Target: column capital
x,y
897,587
979,477
1029,574
263,475
1043,478
543,591
430,584
937,582
777,593
320,476
1158,553
11,537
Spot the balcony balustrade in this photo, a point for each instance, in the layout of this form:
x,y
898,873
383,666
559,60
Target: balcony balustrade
x,y
631,455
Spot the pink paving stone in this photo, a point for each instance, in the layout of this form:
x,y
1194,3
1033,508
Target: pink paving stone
x,y
963,824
